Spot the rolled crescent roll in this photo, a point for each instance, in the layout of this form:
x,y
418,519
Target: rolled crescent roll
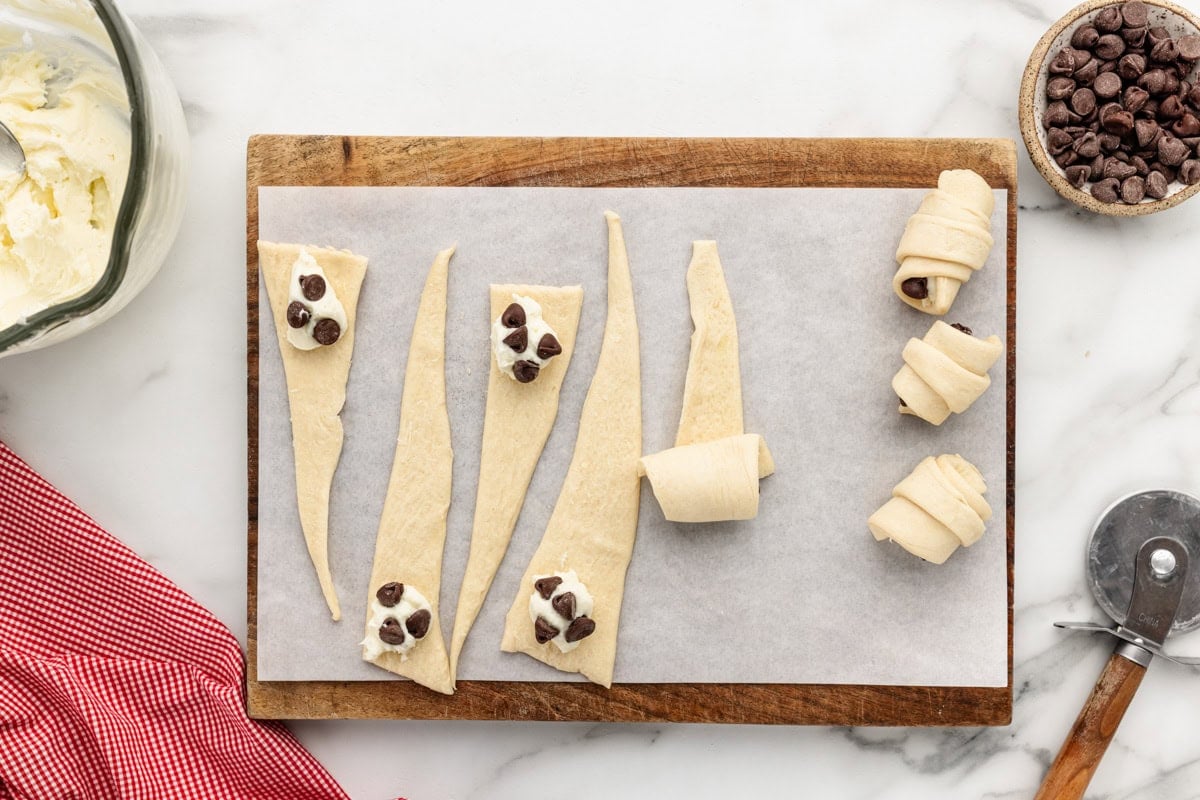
x,y
935,510
944,242
945,371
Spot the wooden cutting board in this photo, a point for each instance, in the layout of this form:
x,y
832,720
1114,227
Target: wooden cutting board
x,y
418,161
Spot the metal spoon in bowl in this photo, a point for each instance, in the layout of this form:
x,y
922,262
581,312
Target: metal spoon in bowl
x,y
12,155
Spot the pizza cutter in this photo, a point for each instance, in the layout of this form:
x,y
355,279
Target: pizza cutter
x,y
1143,566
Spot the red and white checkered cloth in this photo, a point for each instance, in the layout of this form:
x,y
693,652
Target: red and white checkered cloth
x,y
113,682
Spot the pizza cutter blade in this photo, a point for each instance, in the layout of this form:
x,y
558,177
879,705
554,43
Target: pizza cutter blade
x,y
1143,566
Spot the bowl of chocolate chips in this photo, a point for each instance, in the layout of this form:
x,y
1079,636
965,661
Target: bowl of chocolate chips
x,y
1110,106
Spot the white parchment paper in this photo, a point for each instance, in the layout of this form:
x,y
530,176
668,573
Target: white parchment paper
x,y
803,593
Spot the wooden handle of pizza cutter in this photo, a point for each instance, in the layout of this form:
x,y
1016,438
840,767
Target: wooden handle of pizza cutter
x,y
1072,770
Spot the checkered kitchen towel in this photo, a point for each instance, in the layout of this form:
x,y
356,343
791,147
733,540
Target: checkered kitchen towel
x,y
113,682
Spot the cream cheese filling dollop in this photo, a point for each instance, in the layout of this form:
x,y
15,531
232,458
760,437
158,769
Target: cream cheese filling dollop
x,y
311,302
57,218
560,609
522,341
398,627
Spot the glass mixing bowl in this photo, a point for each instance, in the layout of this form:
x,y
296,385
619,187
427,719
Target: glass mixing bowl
x,y
151,208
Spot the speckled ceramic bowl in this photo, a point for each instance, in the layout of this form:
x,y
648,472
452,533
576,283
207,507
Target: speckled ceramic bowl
x,y
1032,103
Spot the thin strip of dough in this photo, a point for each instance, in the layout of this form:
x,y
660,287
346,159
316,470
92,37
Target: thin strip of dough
x,y
516,424
316,383
594,524
412,529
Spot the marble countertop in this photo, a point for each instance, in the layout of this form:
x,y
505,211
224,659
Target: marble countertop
x,y
143,420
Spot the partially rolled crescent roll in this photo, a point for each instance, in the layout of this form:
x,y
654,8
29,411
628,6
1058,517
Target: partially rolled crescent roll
x,y
710,481
945,371
935,510
944,242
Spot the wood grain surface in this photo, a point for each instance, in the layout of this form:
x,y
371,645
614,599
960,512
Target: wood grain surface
x,y
1095,727
431,161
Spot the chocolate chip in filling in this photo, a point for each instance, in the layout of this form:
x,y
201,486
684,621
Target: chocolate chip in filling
x,y
548,347
389,594
518,340
391,632
543,631
513,316
525,371
565,604
580,628
546,586
418,623
960,327
327,331
297,315
916,288
312,287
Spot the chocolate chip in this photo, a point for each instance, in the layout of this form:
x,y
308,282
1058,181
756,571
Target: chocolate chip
x,y
1147,132
1097,168
1187,126
1156,185
1157,34
391,631
1118,124
1171,151
1085,37
389,594
1135,14
1089,71
1170,173
1109,46
1131,66
1153,81
1063,63
1106,190
1115,168
297,315
1056,115
1109,142
1164,52
525,371
548,347
513,316
1139,163
418,623
518,340
546,586
1188,47
1171,108
1083,101
1108,20
916,288
327,331
564,604
1189,172
1134,99
1066,158
1088,145
1077,175
902,403
960,327
312,287
580,628
1107,85
1133,189
543,631
1060,88
1134,37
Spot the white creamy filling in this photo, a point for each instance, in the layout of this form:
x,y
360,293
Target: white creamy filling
x,y
57,218
328,307
544,607
411,602
506,357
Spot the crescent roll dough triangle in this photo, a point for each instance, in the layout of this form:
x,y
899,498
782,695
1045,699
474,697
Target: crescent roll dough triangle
x,y
713,471
316,381
516,424
592,529
412,529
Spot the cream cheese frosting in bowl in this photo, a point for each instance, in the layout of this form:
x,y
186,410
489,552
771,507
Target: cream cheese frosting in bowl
x,y
90,219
